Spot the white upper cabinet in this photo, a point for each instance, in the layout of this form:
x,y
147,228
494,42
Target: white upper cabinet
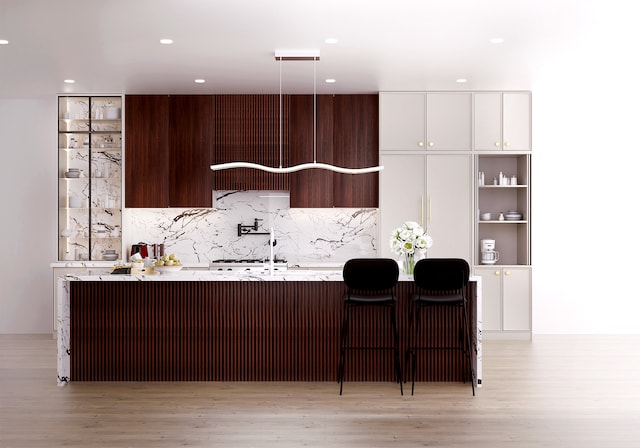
x,y
502,121
402,121
449,121
433,120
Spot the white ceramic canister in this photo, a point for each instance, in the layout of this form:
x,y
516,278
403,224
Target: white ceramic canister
x,y
75,201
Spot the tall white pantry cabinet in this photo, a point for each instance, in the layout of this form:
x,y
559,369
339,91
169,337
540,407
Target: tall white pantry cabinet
x,y
433,146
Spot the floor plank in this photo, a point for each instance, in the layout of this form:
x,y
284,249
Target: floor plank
x,y
554,391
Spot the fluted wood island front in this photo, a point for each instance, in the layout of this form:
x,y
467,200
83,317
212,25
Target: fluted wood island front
x,y
209,326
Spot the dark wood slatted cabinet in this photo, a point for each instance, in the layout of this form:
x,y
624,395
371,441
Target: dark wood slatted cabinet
x,y
247,129
311,188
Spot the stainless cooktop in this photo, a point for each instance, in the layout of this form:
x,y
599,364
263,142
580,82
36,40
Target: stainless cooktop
x,y
246,265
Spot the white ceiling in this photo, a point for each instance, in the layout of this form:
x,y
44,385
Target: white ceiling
x,y
112,46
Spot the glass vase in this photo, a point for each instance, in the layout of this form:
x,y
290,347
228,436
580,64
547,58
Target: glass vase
x,y
409,263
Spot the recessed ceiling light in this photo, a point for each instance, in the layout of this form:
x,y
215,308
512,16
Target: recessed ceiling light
x,y
166,41
69,81
461,80
496,40
331,40
4,42
199,81
330,81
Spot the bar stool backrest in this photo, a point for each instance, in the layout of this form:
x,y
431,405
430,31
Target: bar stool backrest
x,y
371,274
441,274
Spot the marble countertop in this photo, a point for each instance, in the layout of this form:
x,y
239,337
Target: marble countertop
x,y
318,265
291,275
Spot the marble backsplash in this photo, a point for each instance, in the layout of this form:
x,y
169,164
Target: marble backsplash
x,y
302,235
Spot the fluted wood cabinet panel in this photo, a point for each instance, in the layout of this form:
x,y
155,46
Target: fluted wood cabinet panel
x,y
146,150
311,188
247,129
240,331
355,145
191,151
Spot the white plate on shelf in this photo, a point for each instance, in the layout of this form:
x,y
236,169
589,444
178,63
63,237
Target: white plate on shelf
x,y
167,269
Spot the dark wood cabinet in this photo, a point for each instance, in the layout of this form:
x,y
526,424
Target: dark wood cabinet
x,y
191,151
247,129
355,145
171,141
346,136
169,148
311,188
146,151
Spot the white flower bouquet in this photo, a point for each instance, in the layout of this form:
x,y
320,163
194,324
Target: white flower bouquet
x,y
408,240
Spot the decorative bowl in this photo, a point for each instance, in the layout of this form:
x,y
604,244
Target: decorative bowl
x,y
72,174
167,269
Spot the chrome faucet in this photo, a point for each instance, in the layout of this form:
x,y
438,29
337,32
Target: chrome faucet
x,y
251,229
272,243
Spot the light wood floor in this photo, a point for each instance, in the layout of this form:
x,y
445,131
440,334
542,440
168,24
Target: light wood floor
x,y
556,391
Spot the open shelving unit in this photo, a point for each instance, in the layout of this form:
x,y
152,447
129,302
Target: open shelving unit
x,y
512,236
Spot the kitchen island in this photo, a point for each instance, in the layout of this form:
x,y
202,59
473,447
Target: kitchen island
x,y
212,326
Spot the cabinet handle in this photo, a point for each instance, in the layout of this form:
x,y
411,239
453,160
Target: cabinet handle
x,y
497,272
421,144
507,144
497,143
431,143
429,217
507,272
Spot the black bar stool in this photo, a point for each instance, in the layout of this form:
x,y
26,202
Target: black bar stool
x,y
370,282
440,282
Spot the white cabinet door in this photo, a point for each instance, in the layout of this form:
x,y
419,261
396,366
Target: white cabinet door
x,y
516,121
402,190
491,298
402,121
516,302
506,298
502,121
434,190
449,121
449,205
487,123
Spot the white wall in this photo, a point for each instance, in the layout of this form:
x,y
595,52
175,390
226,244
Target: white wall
x,y
586,116
28,183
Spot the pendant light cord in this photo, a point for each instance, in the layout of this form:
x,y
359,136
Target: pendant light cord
x,y
314,111
303,166
281,114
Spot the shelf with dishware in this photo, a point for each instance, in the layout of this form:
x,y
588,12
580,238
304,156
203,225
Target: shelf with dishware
x,y
503,201
90,176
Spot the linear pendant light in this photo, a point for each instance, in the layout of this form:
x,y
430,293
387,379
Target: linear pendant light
x,y
305,55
